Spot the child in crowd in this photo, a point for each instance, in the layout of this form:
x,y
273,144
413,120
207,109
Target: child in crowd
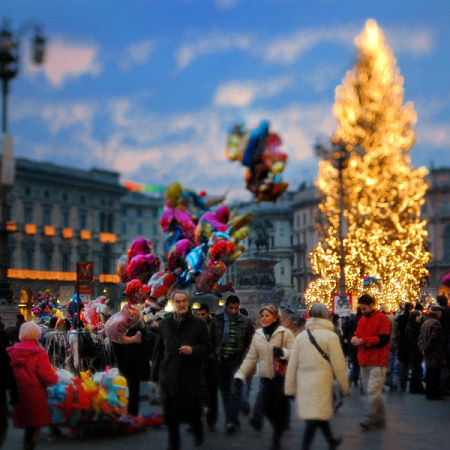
x,y
33,373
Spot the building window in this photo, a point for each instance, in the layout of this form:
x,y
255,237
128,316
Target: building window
x,y
102,222
46,260
28,259
46,194
138,212
64,196
106,259
83,221
65,262
65,219
139,228
110,223
106,223
47,219
27,191
124,227
28,214
447,244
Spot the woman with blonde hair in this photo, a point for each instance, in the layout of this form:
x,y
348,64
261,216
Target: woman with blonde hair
x,y
316,359
270,341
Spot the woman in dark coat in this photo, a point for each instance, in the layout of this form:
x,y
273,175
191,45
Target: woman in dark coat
x,y
180,352
413,333
432,344
134,364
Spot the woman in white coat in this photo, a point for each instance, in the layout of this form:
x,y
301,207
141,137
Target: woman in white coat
x,y
310,375
272,339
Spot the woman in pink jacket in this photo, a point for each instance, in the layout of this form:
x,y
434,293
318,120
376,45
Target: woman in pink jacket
x,y
33,373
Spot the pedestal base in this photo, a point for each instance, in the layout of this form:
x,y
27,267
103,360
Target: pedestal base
x,y
8,312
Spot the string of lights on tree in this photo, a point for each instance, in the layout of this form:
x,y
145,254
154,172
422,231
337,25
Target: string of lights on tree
x,y
385,236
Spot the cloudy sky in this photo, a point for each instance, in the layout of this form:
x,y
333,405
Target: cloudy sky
x,y
150,88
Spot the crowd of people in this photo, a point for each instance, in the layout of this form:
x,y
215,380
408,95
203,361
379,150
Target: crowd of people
x,y
315,362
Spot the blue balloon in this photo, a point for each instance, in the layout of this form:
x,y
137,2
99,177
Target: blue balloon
x,y
256,143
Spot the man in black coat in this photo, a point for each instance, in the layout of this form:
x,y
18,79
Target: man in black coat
x,y
404,351
180,352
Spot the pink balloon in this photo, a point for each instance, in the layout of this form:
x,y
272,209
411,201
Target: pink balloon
x,y
118,324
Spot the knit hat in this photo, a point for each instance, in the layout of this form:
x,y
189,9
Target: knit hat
x,y
273,309
29,331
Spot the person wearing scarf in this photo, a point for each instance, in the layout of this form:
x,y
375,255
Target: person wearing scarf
x,y
269,341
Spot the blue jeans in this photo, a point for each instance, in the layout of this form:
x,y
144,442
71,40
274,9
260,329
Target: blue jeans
x,y
394,368
231,394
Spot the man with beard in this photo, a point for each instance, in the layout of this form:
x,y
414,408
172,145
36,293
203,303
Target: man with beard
x,y
372,338
180,352
234,333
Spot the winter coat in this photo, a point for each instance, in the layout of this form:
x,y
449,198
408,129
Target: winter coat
x,y
179,374
7,383
261,351
132,359
432,342
393,339
369,329
413,333
404,352
244,331
33,373
309,375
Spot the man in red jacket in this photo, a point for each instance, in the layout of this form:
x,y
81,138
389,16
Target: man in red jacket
x,y
372,339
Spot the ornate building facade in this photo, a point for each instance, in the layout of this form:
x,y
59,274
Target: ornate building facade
x,y
60,216
436,211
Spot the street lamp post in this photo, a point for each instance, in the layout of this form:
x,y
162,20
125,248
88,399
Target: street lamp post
x,y
338,154
9,69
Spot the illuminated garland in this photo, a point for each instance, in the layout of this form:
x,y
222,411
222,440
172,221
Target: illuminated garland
x,y
385,235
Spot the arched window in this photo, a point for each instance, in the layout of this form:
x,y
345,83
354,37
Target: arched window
x,y
447,243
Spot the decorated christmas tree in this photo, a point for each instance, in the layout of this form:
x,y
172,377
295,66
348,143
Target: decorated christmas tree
x,y
384,236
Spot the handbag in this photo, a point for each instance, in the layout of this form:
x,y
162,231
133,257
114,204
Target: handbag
x,y
279,364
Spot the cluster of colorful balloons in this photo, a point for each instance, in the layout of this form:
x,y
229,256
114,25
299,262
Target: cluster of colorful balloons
x,y
47,305
201,239
139,263
100,394
259,150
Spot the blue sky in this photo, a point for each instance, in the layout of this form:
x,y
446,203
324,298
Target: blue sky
x,y
151,88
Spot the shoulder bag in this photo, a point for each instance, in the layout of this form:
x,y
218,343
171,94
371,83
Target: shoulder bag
x,y
279,364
